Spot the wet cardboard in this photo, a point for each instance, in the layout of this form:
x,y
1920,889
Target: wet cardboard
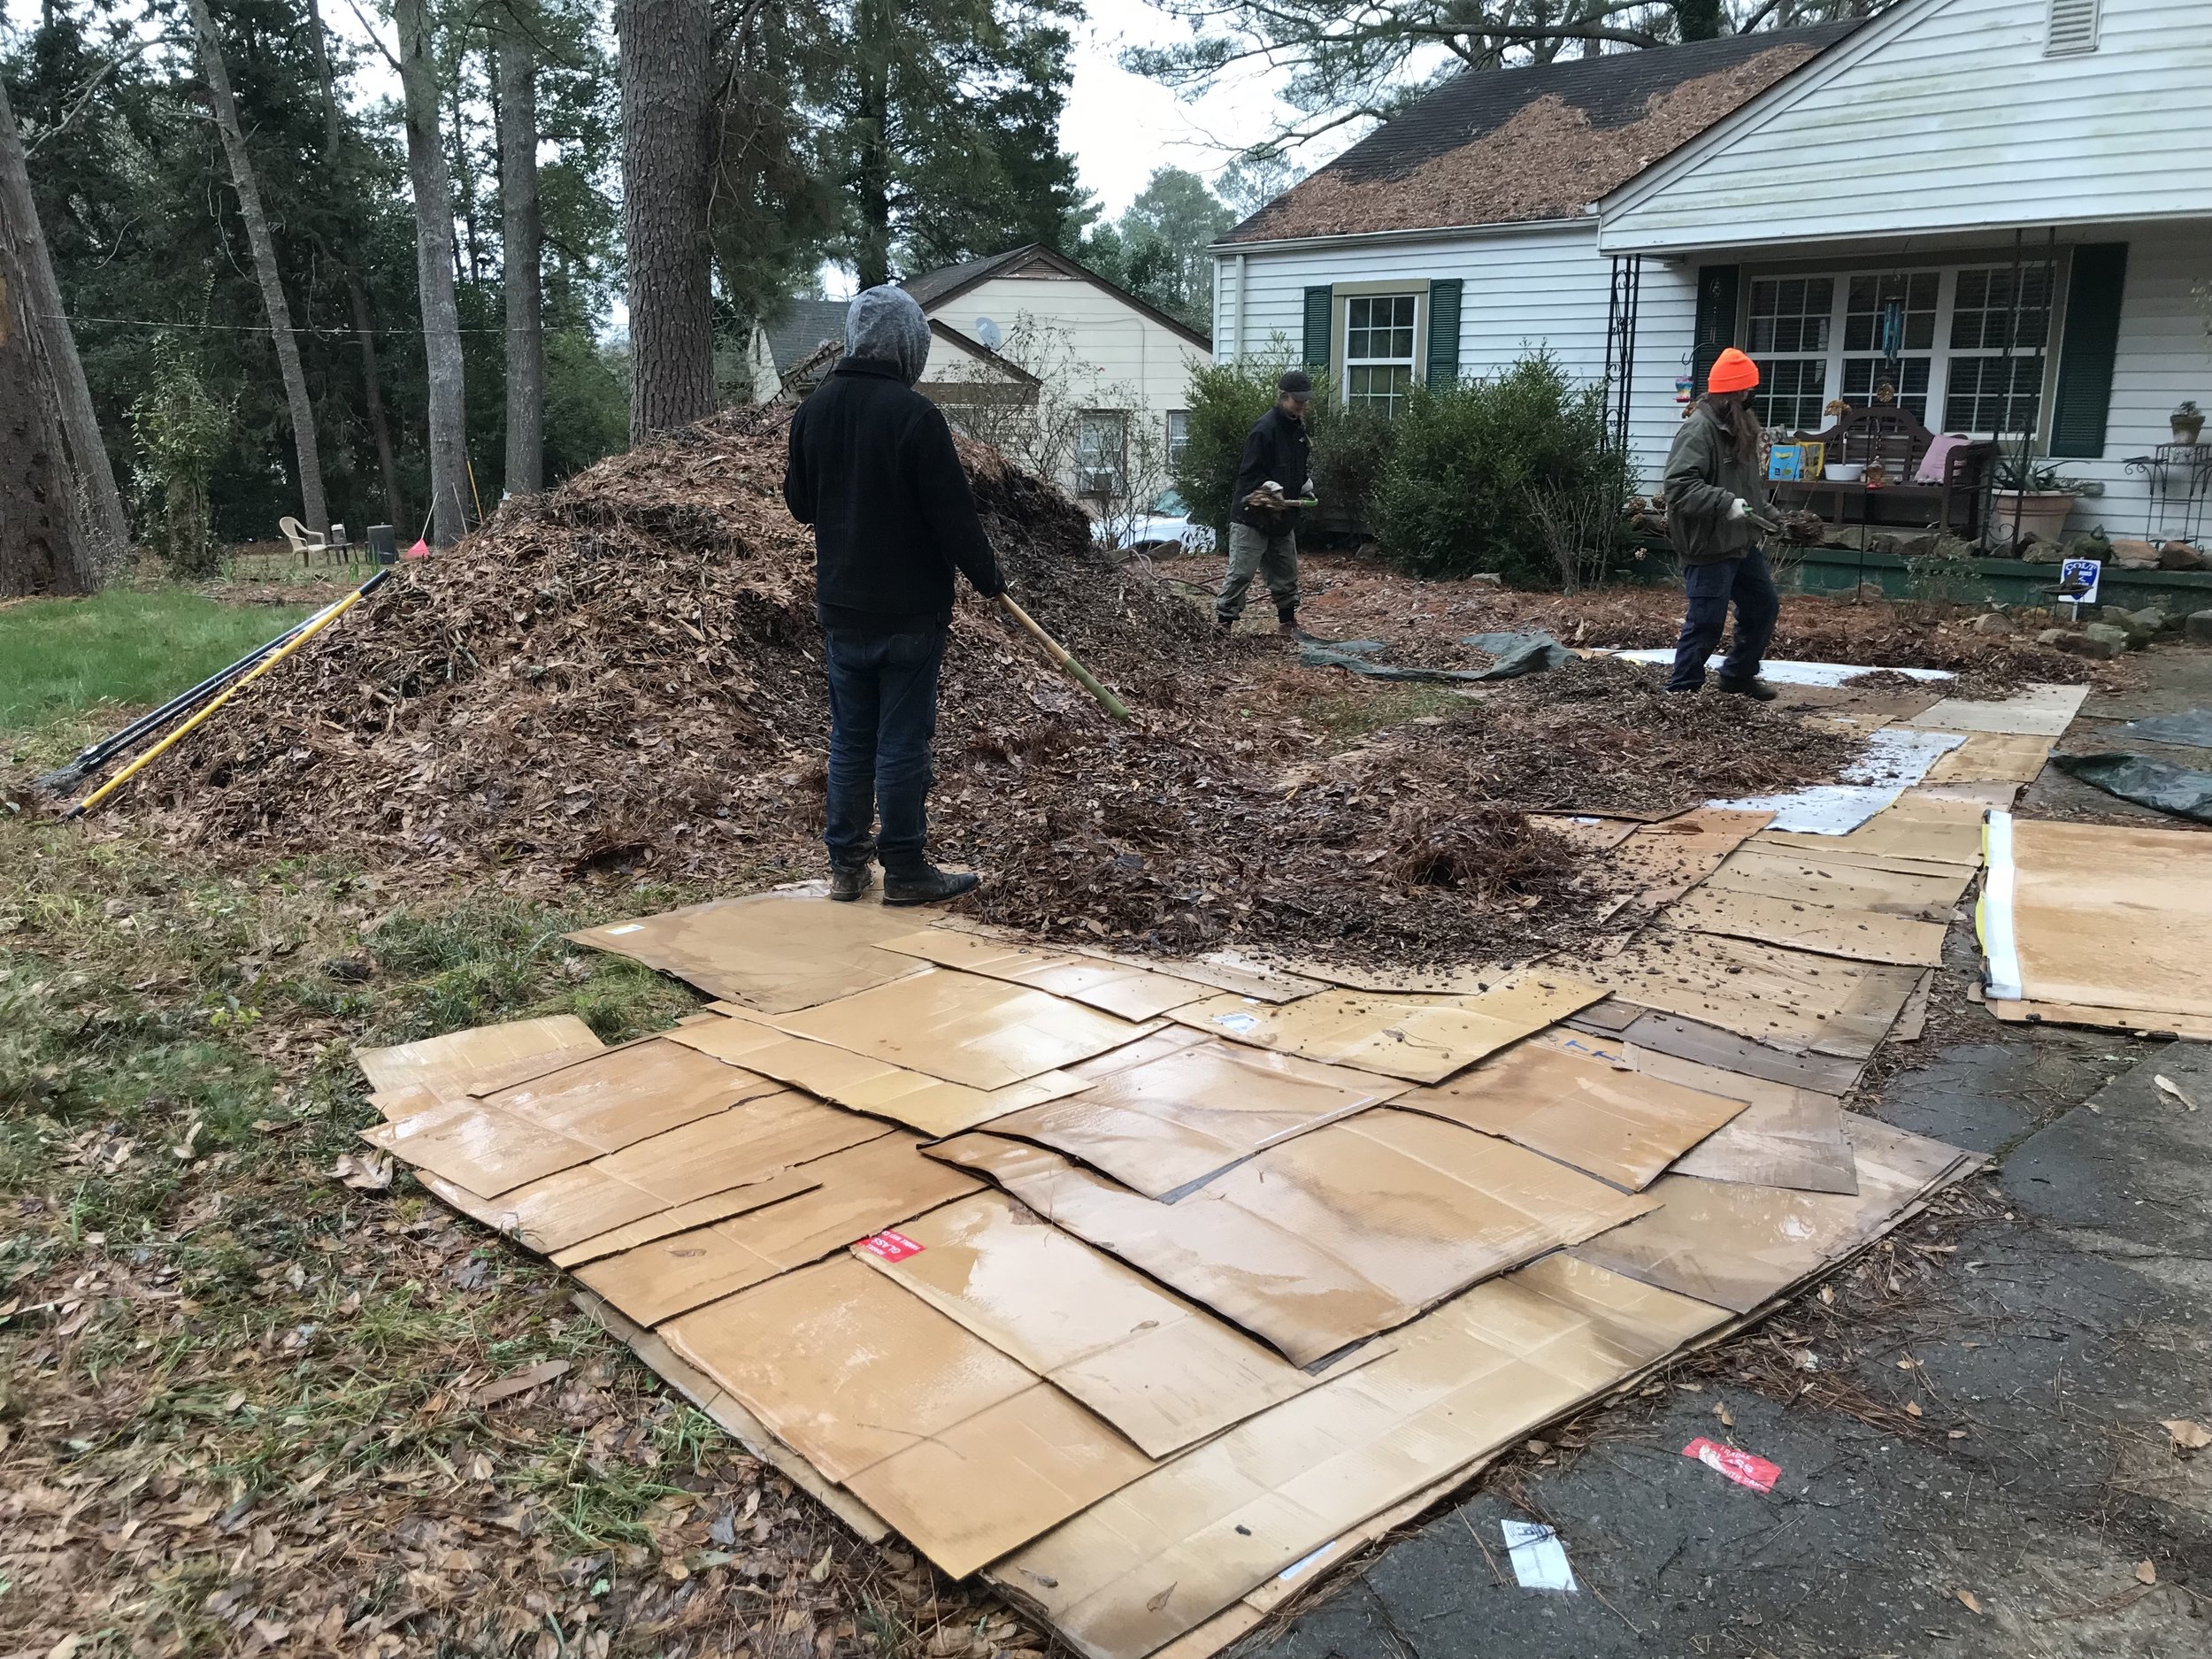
x,y
1577,1099
968,1452
1786,1136
1665,860
1424,1041
2105,915
862,1190
559,1212
1223,970
1738,1247
700,1212
1163,1371
1177,1119
2194,1027
486,1151
1689,1040
775,952
1804,924
1811,878
854,1081
1171,1549
619,1096
1918,826
2041,711
1133,993
1329,1238
1993,757
448,1066
963,1028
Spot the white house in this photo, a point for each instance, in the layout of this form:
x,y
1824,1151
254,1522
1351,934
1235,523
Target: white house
x,y
1994,215
1027,327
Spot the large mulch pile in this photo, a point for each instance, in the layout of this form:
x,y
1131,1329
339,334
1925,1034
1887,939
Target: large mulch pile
x,y
622,676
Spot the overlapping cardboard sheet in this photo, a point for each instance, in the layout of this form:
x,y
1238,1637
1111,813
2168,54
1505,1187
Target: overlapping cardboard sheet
x,y
1165,1122
1740,1245
410,1076
1994,757
1327,1239
721,1162
2037,711
1927,895
1791,1000
1821,809
2109,917
776,952
1223,970
1689,1040
962,1027
1667,858
913,1098
1596,835
1577,1099
602,1103
2191,1027
1803,923
1397,978
1170,1550
1785,1135
1918,827
1134,994
1423,1040
1166,1374
966,1451
862,1190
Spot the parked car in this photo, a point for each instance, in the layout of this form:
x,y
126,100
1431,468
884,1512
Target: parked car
x,y
1169,520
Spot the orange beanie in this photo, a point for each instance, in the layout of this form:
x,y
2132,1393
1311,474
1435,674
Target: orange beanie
x,y
1732,371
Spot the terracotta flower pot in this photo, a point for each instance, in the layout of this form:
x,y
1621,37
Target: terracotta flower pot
x,y
2041,513
2187,427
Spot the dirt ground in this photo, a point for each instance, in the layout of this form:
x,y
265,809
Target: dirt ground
x,y
246,1407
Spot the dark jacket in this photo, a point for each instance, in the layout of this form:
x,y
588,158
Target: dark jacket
x,y
873,469
1704,474
1276,448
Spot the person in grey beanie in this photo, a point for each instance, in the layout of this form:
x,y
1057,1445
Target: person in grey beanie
x,y
1264,510
873,470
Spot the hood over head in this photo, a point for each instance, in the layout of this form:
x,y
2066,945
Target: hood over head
x,y
886,325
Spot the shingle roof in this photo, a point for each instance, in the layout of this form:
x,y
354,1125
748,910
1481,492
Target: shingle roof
x,y
803,325
1494,146
931,285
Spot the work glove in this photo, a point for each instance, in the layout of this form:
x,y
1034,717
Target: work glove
x,y
1738,509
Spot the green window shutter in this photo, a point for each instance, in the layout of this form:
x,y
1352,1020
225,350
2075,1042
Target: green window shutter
x,y
1320,310
1715,330
1444,331
2088,347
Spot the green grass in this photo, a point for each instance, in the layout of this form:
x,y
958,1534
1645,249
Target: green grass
x,y
64,657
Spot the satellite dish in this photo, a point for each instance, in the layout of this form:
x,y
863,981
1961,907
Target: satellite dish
x,y
989,333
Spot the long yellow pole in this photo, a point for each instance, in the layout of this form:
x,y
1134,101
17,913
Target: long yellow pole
x,y
1063,658
169,743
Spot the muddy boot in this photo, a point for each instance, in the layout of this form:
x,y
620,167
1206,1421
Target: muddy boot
x,y
1287,623
1224,626
1754,688
926,885
847,882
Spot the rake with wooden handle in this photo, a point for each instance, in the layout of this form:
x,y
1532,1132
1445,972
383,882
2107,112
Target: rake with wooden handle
x,y
1061,657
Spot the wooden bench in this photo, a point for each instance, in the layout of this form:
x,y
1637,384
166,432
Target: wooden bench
x,y
1892,436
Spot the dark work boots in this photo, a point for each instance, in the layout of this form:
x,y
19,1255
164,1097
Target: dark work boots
x,y
1754,688
926,885
847,882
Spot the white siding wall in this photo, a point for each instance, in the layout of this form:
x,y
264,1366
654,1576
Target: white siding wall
x,y
1946,115
2165,355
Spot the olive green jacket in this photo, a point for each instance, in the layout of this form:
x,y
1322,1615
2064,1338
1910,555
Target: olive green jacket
x,y
1704,476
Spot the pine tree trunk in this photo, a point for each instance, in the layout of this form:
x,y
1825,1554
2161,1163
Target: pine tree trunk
x,y
434,270
42,367
313,507
871,182
665,66
522,249
42,543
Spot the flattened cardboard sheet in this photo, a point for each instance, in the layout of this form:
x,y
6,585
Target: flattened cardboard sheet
x,y
1424,1041
1171,1549
1471,980
1994,757
1918,826
1329,1238
1791,1000
2038,712
963,1028
700,1212
448,1066
2191,1027
2104,916
1739,1246
866,1085
1223,970
1665,860
776,952
1134,994
1838,851
1687,1039
1168,1122
1569,1098
1786,1136
1808,877
862,1190
619,1096
485,1150
966,1451
1163,1371
1803,924
557,1213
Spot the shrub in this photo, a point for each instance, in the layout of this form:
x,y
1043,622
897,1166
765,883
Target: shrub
x,y
1351,449
1225,398
1485,475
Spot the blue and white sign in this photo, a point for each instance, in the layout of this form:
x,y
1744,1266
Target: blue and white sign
x,y
2082,574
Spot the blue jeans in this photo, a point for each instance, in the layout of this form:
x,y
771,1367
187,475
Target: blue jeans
x,y
883,712
1746,583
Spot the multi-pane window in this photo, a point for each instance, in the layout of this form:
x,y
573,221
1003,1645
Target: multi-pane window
x,y
1790,320
1889,328
1177,434
1997,313
1101,452
1378,351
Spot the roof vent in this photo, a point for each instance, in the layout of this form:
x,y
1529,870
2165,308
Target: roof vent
x,y
2072,28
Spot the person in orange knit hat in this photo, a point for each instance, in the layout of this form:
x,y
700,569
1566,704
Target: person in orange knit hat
x,y
1717,506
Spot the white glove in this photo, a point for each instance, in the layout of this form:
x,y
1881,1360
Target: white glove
x,y
1738,510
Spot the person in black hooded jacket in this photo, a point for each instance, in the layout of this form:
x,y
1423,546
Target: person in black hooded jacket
x,y
873,470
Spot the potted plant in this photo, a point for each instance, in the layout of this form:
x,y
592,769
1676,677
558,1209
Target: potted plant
x,y
2187,420
2033,496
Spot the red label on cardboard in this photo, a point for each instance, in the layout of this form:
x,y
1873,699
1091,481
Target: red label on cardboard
x,y
891,1246
1746,1468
